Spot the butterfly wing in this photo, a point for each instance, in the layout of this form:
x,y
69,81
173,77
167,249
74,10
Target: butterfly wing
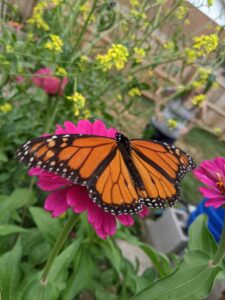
x,y
93,161
161,168
74,157
113,188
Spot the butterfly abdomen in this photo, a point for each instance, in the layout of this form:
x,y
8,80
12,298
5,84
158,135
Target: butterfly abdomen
x,y
124,146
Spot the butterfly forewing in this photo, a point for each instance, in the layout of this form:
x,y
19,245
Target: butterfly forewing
x,y
161,168
75,157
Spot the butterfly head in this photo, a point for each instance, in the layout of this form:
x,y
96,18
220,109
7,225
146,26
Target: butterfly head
x,y
122,140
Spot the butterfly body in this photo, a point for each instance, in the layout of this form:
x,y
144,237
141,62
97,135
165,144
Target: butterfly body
x,y
120,174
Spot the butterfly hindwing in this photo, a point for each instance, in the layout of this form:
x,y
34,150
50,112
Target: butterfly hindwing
x,y
161,168
112,187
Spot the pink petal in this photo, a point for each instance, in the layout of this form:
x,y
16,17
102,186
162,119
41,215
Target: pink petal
x,y
78,198
99,128
51,85
111,132
59,129
70,128
220,162
56,202
126,220
63,85
95,215
101,233
215,202
144,212
109,224
84,127
209,193
48,184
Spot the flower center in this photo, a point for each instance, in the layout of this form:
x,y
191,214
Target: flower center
x,y
221,187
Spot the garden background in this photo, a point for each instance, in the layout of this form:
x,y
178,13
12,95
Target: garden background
x,y
109,60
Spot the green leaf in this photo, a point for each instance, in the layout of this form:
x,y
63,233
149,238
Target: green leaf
x,y
6,229
10,273
8,204
48,226
113,253
82,276
59,271
159,260
3,156
193,280
39,291
200,238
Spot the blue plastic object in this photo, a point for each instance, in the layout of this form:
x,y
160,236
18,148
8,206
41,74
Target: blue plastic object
x,y
215,218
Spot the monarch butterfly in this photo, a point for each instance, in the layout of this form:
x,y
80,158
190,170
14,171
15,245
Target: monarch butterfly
x,y
120,174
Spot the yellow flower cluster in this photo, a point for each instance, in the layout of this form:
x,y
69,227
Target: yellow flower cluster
x,y
172,123
37,17
205,44
115,56
5,108
181,12
198,100
55,43
61,71
85,10
134,92
78,102
135,3
139,54
138,14
203,74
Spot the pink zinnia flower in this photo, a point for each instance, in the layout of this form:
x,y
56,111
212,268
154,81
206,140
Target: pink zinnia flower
x,y
212,173
50,84
65,194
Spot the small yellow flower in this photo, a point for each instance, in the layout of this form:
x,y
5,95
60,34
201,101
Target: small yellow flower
x,y
217,131
55,44
56,2
205,44
78,102
61,71
115,56
77,98
84,58
5,108
169,45
138,14
85,10
135,3
198,100
210,2
187,22
9,48
139,54
134,92
215,85
119,97
172,123
203,74
87,114
191,55
181,12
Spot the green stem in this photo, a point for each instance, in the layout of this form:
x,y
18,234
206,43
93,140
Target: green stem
x,y
76,46
58,245
220,253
